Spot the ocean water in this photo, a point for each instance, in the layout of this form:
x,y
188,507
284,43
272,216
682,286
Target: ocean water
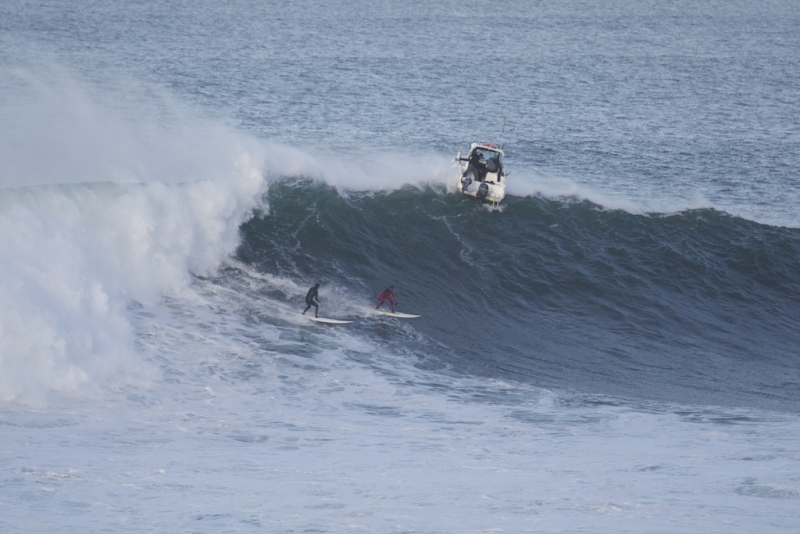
x,y
612,349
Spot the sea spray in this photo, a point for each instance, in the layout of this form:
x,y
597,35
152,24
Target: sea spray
x,y
100,210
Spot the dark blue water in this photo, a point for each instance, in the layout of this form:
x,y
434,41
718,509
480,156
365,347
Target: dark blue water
x,y
697,306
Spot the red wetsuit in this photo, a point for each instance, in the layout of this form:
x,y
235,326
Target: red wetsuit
x,y
387,295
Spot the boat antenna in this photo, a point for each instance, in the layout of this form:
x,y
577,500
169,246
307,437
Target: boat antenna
x,y
502,133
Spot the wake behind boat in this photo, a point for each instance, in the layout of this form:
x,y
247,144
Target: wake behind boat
x,y
483,175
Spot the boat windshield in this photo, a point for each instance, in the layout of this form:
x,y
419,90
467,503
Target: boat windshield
x,y
487,154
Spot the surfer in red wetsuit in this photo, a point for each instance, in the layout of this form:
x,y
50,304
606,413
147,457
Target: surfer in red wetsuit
x,y
387,295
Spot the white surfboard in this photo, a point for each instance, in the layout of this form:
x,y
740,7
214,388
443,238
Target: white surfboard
x,y
329,321
398,314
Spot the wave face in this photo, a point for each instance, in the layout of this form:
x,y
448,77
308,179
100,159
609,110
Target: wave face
x,y
697,306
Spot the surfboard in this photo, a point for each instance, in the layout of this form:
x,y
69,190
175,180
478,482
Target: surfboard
x,y
399,315
329,321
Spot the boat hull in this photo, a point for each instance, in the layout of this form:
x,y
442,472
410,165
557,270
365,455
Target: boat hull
x,y
487,191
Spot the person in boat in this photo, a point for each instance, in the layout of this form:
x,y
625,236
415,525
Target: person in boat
x,y
312,294
476,165
494,165
387,295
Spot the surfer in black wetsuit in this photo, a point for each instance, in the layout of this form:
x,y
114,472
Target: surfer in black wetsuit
x,y
312,294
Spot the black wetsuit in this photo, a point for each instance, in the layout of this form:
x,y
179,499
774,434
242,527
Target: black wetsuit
x,y
312,294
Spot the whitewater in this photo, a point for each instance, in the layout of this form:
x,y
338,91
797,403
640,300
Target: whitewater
x,y
614,349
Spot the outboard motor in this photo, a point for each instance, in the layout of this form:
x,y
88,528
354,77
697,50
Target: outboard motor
x,y
483,191
465,183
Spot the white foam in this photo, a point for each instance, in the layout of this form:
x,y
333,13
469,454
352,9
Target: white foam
x,y
364,171
115,210
637,201
648,198
388,171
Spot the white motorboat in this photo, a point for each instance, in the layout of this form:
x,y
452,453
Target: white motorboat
x,y
483,175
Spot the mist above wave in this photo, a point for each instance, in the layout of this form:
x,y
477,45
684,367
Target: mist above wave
x,y
101,207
